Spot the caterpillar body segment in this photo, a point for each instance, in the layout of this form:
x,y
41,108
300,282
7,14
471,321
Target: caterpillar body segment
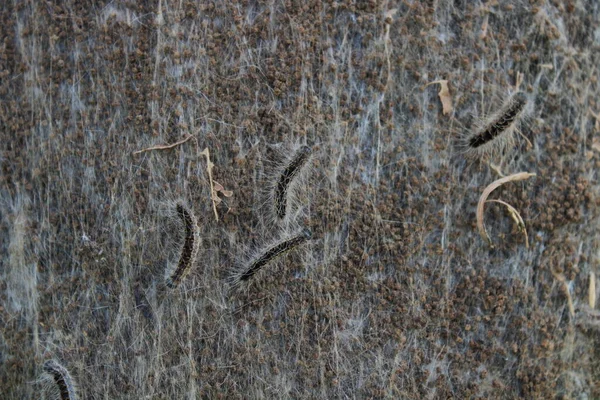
x,y
291,170
190,247
246,272
496,133
274,252
62,379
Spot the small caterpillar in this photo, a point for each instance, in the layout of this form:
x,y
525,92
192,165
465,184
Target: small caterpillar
x,y
288,174
274,252
191,244
492,134
62,378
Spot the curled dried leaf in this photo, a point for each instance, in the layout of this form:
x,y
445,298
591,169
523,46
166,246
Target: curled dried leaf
x,y
444,95
222,190
486,193
516,217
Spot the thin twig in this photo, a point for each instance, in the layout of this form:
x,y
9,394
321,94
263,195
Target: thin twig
x,y
213,193
164,146
592,291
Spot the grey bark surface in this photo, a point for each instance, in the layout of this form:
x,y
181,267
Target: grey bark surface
x,y
395,295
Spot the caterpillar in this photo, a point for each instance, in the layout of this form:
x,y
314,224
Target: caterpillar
x,y
189,251
497,133
62,378
287,176
273,252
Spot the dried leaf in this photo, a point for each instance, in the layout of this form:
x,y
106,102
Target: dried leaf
x,y
220,188
488,190
516,217
444,95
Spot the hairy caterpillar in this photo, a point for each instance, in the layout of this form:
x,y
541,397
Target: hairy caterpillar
x,y
272,253
287,176
62,378
191,244
496,134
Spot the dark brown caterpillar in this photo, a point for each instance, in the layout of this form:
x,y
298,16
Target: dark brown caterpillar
x,y
62,378
504,120
274,252
190,248
288,174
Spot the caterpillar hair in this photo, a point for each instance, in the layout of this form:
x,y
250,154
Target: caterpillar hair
x,y
292,169
270,254
189,251
496,134
62,378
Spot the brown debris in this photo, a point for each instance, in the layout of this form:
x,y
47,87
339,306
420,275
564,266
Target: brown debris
x,y
592,291
516,217
213,192
488,190
444,95
559,276
164,146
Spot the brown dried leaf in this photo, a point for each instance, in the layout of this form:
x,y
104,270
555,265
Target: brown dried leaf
x,y
444,95
220,188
